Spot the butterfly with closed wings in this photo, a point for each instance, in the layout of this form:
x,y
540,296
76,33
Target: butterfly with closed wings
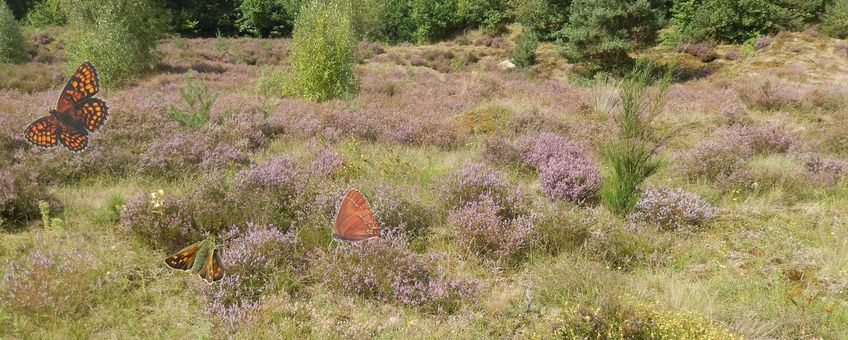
x,y
355,221
77,114
201,257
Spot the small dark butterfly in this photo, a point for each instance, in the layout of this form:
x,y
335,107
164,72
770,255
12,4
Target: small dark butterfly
x,y
201,257
355,221
77,114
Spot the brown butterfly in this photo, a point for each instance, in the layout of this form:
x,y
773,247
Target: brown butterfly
x,y
76,115
201,257
355,221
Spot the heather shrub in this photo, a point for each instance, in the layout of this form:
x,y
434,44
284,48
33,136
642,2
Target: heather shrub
x,y
322,52
501,152
538,150
473,181
826,169
776,172
486,118
386,270
198,101
763,42
602,33
672,209
48,284
703,51
183,154
326,162
277,191
161,219
19,196
482,231
12,43
714,159
524,54
770,96
119,36
46,13
402,210
260,259
834,22
763,139
576,180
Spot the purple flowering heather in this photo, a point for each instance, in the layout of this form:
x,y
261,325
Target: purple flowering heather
x,y
537,150
482,231
762,139
575,180
715,159
472,181
827,169
326,162
277,173
763,42
386,270
672,209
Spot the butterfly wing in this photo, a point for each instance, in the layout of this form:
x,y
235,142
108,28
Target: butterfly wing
x,y
355,221
73,140
43,132
212,270
83,84
184,259
91,113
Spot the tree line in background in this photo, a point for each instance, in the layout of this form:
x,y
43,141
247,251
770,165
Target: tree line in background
x,y
122,34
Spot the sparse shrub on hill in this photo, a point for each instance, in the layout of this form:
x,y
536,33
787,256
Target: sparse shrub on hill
x,y
672,209
835,20
601,33
119,36
19,196
46,13
482,231
524,54
12,43
264,18
322,53
386,270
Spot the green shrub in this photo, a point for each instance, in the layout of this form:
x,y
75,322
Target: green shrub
x,y
322,52
603,32
264,18
524,54
491,15
546,17
46,13
630,158
835,19
740,20
12,44
199,101
203,17
119,36
433,19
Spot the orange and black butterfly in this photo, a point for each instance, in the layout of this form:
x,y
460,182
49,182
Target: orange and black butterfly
x,y
76,115
355,221
201,257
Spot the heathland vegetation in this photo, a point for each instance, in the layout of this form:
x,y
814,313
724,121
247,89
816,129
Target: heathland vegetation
x,y
638,169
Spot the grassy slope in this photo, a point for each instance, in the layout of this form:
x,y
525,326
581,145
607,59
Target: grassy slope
x,y
734,274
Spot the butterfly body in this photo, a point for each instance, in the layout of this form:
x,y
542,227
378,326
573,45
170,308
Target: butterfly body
x,y
77,114
201,257
355,221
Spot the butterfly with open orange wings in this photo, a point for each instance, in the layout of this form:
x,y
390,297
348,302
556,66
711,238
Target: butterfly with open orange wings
x,y
203,258
355,221
77,114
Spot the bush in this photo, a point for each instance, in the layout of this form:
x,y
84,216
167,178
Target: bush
x,y
672,209
19,196
12,43
835,20
472,182
402,211
277,191
703,51
482,231
386,270
603,32
566,168
715,159
491,15
827,169
199,102
738,21
322,53
119,36
433,19
46,13
264,18
546,17
524,54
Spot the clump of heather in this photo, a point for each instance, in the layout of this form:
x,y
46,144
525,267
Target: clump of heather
x,y
763,42
473,181
672,209
715,159
763,140
326,162
575,180
49,284
386,270
255,257
733,54
566,168
769,95
161,219
19,195
175,155
401,210
702,50
482,231
500,152
826,169
274,191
